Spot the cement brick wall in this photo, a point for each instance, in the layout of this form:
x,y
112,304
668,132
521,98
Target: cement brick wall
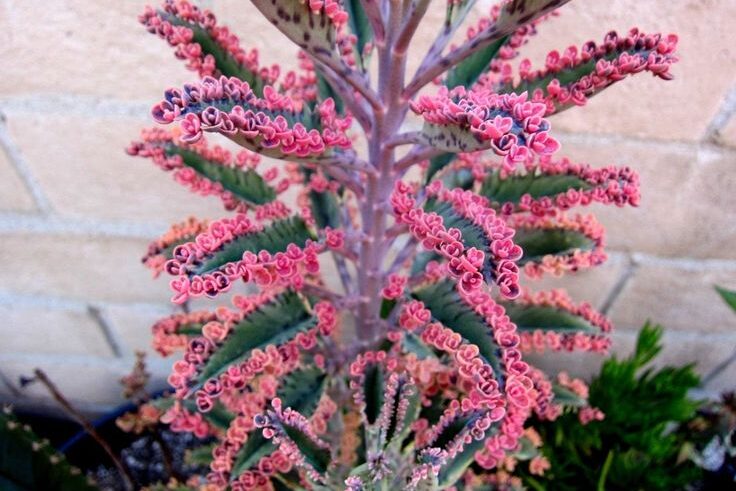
x,y
76,213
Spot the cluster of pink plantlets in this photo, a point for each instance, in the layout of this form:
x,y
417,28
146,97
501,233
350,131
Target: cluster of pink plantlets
x,y
377,336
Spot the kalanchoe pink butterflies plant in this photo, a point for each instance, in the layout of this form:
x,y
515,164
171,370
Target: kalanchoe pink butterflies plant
x,y
380,343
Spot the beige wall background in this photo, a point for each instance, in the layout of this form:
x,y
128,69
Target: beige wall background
x,y
79,76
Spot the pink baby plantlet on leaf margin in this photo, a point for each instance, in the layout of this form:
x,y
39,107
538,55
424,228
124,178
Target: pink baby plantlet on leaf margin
x,y
407,370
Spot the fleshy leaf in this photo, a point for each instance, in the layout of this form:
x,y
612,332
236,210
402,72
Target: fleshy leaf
x,y
473,236
318,457
373,383
512,188
273,323
566,397
325,209
456,465
218,416
546,318
301,391
570,79
247,184
517,13
314,32
200,455
28,463
538,243
225,63
728,296
446,306
360,26
436,164
467,72
462,120
273,238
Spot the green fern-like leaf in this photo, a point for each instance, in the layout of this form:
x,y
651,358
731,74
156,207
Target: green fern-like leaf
x,y
449,309
273,238
28,463
275,322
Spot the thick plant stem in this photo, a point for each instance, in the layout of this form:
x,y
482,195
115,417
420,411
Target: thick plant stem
x,y
375,212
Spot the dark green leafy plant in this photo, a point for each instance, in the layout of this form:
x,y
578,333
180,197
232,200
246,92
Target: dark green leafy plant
x,y
633,448
30,463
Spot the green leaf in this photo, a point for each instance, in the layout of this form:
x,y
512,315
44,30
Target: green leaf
x,y
566,397
302,389
319,458
255,448
219,416
526,451
275,322
449,309
247,184
538,243
728,296
312,32
467,72
200,455
533,317
438,163
570,75
512,188
325,91
224,62
456,467
413,344
325,209
472,235
360,26
373,384
28,463
413,400
518,13
273,238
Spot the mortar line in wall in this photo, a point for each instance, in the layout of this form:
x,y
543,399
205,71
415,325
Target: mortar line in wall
x,y
61,104
613,139
106,329
53,224
685,263
619,286
88,105
718,369
52,302
22,170
725,111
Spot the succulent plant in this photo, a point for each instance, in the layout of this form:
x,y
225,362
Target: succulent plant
x,y
376,339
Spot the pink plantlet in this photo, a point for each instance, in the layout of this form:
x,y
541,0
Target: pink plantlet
x,y
380,316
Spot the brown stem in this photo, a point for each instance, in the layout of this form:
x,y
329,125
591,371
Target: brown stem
x,y
125,474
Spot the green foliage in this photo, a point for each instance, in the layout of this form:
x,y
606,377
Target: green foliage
x,y
533,317
449,309
472,234
246,184
360,26
226,64
538,242
273,238
728,296
633,448
467,72
275,322
29,463
512,188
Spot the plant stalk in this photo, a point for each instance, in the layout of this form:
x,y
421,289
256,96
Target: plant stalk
x,y
125,474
